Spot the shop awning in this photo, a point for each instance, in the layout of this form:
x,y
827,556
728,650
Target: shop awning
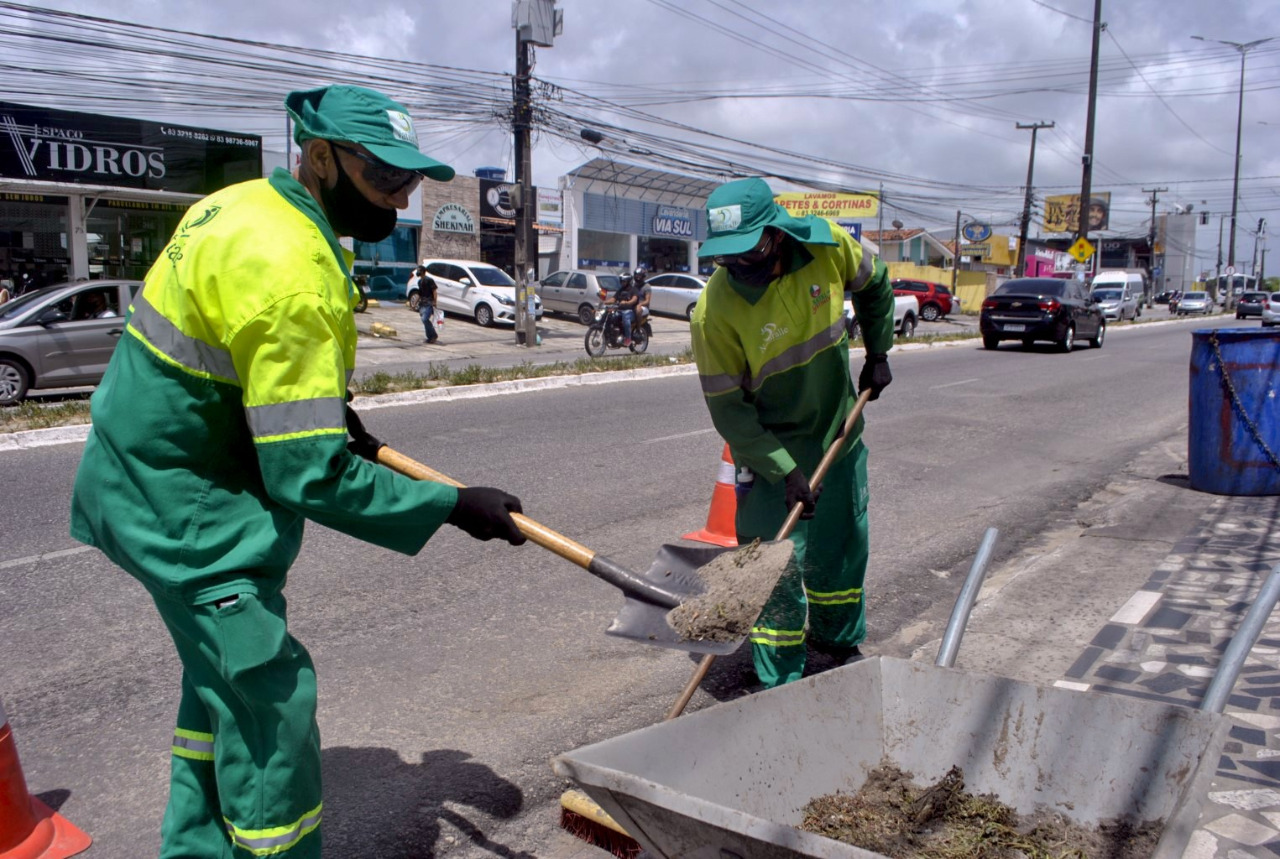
x,y
69,189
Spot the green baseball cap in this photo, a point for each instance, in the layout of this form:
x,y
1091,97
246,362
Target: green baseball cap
x,y
357,115
738,212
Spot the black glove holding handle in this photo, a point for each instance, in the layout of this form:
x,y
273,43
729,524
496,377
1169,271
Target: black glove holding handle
x,y
485,513
875,374
363,443
798,490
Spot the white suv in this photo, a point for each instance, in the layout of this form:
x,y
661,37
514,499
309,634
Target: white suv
x,y
481,291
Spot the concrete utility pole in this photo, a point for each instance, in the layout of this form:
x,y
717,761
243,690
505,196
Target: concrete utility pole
x,y
1253,265
1020,269
955,257
880,208
1086,183
537,22
1151,233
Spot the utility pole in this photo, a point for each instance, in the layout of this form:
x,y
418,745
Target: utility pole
x,y
1021,268
536,22
1253,265
955,257
880,209
1151,235
1086,183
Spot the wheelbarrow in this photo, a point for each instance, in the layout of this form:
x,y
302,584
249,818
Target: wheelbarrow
x,y
732,780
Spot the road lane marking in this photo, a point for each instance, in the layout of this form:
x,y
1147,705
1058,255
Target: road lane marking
x,y
34,559
1075,687
681,435
1136,608
952,384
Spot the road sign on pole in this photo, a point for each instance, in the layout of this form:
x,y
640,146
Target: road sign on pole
x,y
1082,249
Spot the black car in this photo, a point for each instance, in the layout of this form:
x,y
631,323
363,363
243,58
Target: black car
x,y
1251,304
1028,309
1163,297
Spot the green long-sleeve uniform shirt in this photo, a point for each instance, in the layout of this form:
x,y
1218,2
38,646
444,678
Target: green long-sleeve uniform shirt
x,y
774,361
219,427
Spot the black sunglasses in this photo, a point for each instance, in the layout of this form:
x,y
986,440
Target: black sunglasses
x,y
758,254
382,176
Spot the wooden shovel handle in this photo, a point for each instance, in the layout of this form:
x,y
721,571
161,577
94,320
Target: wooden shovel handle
x,y
815,480
542,535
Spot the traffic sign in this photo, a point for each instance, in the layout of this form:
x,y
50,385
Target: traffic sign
x,y
1229,270
1081,250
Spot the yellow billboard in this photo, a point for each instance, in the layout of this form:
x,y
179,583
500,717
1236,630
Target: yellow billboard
x,y
1062,212
829,204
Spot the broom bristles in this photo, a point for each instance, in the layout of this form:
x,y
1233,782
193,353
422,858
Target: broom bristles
x,y
599,835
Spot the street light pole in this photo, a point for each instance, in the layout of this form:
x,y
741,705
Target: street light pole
x,y
1243,48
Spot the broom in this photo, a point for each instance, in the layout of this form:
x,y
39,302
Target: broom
x,y
586,821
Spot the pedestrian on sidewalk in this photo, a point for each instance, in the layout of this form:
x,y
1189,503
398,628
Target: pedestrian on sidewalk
x,y
772,352
427,304
221,426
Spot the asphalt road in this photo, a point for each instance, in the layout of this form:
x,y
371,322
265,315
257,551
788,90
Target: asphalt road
x,y
449,679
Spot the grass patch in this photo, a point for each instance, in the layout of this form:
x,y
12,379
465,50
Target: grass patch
x,y
30,415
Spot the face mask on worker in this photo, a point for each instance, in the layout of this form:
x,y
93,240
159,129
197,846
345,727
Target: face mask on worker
x,y
351,213
756,267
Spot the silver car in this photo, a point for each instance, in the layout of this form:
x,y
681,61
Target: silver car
x,y
674,294
1195,302
61,336
1116,302
1271,310
576,292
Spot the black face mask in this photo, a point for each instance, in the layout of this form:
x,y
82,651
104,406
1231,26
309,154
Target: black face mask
x,y
758,274
351,214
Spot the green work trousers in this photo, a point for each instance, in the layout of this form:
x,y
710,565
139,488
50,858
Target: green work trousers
x,y
245,777
824,586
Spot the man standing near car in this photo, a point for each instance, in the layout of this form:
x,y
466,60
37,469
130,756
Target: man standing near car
x,y
427,304
772,352
221,427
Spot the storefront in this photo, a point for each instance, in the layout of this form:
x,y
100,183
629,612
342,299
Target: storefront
x,y
90,196
618,216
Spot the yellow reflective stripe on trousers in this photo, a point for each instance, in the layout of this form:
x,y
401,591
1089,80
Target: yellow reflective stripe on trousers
x,y
776,637
852,595
277,421
161,336
192,745
278,839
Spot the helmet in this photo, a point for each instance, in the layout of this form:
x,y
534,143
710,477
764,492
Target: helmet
x,y
639,275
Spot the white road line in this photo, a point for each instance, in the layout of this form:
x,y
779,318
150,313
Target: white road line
x,y
681,435
953,384
1067,684
34,559
1136,608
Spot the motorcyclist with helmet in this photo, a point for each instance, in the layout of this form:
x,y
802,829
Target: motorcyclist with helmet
x,y
627,298
644,293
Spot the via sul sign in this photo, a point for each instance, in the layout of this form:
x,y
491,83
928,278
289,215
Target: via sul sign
x,y
673,221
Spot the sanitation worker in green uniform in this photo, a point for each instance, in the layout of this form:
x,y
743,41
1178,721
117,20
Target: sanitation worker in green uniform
x,y
773,358
221,427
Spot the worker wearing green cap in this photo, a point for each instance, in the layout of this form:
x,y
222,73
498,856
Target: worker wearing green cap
x,y
221,426
772,350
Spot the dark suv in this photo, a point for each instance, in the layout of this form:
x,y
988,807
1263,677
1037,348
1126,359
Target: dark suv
x,y
1251,304
935,300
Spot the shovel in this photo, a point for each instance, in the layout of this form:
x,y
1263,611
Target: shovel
x,y
670,580
815,480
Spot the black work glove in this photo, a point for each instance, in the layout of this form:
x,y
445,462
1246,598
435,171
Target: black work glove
x,y
485,513
875,374
362,444
798,490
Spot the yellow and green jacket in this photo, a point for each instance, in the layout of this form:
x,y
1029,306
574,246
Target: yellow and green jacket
x,y
774,361
219,427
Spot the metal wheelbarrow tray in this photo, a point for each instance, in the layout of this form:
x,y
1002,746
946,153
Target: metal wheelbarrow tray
x,y
732,780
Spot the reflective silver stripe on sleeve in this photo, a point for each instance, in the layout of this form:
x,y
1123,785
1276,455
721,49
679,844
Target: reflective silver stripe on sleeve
x,y
722,384
299,416
798,354
865,269
165,337
198,746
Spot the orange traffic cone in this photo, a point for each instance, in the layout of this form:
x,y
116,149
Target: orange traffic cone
x,y
720,530
29,829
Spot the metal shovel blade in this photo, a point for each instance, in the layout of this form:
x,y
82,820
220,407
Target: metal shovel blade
x,y
676,569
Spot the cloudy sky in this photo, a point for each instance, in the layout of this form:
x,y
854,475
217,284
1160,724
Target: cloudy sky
x,y
923,95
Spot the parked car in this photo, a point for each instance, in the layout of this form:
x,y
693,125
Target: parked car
x,y
1117,301
477,290
576,292
61,336
1271,311
1195,302
675,294
1251,304
933,299
904,316
1163,297
1041,308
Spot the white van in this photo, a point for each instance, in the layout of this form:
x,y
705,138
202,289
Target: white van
x,y
1118,294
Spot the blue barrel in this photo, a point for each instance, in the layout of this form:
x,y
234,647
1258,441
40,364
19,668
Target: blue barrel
x,y
1233,444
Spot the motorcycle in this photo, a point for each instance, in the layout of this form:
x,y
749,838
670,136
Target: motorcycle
x,y
606,333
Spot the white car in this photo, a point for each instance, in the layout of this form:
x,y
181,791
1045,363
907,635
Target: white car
x,y
1271,310
477,290
674,294
1195,302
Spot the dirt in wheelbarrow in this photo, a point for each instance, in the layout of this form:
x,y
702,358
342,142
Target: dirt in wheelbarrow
x,y
893,816
738,585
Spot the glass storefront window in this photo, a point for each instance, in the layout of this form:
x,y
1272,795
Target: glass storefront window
x,y
399,247
598,250
663,254
125,237
33,241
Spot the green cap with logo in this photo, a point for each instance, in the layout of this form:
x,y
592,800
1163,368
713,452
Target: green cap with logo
x,y
738,212
354,114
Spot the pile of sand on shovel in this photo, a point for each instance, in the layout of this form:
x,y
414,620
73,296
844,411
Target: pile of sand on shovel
x,y
738,585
